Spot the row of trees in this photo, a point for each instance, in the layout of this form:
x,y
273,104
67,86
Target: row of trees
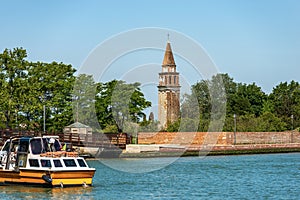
x,y
111,107
34,92
247,107
26,87
116,106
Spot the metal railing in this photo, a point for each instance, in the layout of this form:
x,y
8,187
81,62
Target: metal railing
x,y
75,139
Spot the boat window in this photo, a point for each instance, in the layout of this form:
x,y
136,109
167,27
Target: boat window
x,y
57,163
34,163
36,146
57,145
23,147
45,163
6,146
45,145
14,145
48,146
81,163
70,163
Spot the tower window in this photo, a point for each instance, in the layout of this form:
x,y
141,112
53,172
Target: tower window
x,y
174,79
170,79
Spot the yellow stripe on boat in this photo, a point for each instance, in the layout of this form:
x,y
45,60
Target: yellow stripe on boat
x,y
72,181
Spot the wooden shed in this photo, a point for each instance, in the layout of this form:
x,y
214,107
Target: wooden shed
x,y
79,128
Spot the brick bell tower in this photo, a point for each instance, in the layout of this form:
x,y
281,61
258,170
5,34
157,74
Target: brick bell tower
x,y
168,90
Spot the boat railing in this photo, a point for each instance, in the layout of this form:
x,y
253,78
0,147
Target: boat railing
x,y
59,154
75,139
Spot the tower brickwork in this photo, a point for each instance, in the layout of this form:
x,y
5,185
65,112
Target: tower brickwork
x,y
168,90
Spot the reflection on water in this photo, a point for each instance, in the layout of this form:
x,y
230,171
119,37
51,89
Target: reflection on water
x,y
273,176
26,192
138,165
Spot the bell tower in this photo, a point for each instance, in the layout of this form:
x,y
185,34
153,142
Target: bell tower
x,y
168,90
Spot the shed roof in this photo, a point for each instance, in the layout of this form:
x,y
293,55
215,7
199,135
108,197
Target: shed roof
x,y
77,125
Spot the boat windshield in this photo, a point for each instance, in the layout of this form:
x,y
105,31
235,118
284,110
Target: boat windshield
x,y
36,146
23,145
42,145
7,144
57,145
50,146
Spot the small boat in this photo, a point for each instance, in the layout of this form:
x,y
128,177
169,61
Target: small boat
x,y
41,161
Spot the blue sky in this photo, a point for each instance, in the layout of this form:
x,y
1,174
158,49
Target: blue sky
x,y
254,41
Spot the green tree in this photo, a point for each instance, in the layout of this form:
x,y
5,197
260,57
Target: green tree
x,y
248,99
244,100
51,86
286,101
103,105
28,86
198,105
83,96
118,103
13,74
269,122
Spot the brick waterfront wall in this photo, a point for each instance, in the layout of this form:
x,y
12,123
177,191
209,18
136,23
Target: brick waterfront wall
x,y
216,138
183,138
267,137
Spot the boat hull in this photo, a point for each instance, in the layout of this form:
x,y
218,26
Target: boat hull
x,y
46,178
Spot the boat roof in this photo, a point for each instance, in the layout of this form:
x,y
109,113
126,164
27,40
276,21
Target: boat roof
x,y
77,125
25,138
50,136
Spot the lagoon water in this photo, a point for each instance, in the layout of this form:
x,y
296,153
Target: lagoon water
x,y
272,176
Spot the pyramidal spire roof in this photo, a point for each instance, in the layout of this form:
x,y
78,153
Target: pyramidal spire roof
x,y
168,58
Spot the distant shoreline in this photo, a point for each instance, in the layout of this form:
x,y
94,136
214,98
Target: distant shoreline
x,y
211,153
219,151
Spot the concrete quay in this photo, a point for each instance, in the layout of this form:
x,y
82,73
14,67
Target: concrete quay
x,y
145,151
171,150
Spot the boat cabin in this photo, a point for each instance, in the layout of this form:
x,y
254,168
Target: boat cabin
x,y
38,152
42,161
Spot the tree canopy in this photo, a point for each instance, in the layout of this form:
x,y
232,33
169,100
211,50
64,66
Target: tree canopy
x,y
26,87
254,110
116,106
29,87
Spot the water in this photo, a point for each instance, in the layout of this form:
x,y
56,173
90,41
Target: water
x,y
273,176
